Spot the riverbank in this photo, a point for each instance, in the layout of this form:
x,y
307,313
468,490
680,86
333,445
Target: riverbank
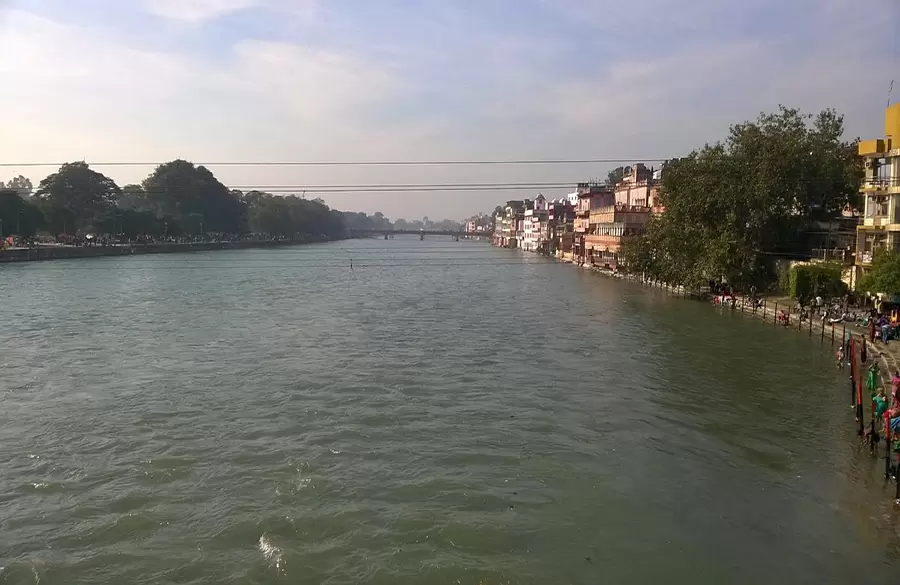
x,y
768,311
885,355
44,253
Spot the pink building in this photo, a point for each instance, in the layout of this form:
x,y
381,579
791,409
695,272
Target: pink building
x,y
591,196
634,188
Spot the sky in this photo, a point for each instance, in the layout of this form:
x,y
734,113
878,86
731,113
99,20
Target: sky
x,y
225,81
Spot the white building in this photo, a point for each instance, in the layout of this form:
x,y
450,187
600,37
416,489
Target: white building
x,y
534,231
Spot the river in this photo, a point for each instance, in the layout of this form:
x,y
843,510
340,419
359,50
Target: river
x,y
443,412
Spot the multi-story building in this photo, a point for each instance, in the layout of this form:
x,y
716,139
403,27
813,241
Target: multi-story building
x,y
611,222
507,225
479,224
634,188
591,196
880,227
561,229
609,227
534,224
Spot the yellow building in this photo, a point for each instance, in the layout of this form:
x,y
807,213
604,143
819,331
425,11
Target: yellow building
x,y
880,228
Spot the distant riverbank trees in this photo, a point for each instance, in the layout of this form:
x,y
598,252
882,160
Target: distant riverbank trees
x,y
731,206
177,199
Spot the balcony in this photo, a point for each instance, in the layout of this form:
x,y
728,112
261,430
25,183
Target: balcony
x,y
841,255
873,147
880,185
604,242
877,221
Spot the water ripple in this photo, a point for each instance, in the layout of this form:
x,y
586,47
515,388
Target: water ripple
x,y
256,420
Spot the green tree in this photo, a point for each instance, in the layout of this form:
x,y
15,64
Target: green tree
x,y
178,189
812,280
730,206
21,184
75,197
134,197
292,217
884,275
18,216
614,176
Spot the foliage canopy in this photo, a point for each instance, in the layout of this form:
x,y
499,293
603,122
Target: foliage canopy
x,y
884,275
730,206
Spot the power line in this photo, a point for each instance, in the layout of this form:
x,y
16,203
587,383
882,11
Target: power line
x,y
410,185
336,163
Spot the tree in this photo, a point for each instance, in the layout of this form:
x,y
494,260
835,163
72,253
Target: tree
x,y
178,189
884,275
134,197
18,216
813,280
292,217
614,176
22,185
75,197
730,206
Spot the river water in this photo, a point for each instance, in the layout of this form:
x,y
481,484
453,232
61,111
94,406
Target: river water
x,y
443,412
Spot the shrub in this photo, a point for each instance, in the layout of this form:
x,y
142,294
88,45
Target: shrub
x,y
810,280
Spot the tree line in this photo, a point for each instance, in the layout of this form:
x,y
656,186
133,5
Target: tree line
x,y
733,206
177,199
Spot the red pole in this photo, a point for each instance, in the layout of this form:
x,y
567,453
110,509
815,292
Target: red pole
x,y
852,357
859,407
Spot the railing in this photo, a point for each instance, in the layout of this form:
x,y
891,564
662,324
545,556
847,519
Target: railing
x,y
880,183
833,255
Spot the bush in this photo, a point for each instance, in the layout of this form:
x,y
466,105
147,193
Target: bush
x,y
810,280
884,274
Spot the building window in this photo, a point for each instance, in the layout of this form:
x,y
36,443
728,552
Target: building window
x,y
879,206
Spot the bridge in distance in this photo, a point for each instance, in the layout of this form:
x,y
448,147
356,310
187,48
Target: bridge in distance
x,y
421,233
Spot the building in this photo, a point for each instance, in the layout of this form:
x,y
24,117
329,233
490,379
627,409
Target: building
x,y
534,223
610,222
591,196
507,225
561,229
634,188
610,226
480,224
880,227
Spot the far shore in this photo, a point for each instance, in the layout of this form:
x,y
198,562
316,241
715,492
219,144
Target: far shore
x,y
44,253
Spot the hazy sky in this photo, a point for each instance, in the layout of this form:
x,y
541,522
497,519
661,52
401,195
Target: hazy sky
x,y
306,80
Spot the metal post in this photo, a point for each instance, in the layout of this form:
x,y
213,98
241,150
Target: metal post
x,y
897,480
872,429
832,335
775,313
859,407
852,354
887,450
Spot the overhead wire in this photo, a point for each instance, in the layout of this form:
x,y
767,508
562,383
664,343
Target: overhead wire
x,y
334,163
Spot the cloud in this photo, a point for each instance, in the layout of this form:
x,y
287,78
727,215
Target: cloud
x,y
196,10
406,81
